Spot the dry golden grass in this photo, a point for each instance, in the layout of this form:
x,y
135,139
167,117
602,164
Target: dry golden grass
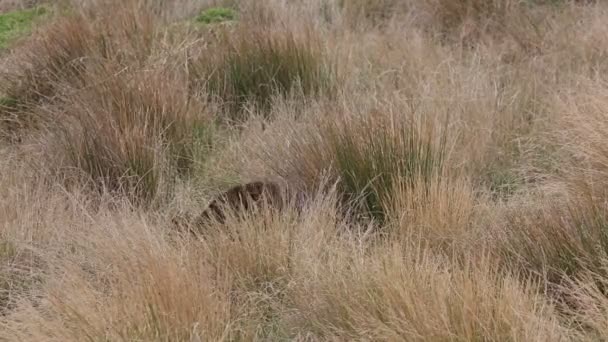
x,y
449,160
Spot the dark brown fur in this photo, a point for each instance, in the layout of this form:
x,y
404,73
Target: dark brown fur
x,y
242,198
239,198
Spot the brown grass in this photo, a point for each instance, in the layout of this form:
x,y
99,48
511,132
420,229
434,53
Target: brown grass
x,y
449,160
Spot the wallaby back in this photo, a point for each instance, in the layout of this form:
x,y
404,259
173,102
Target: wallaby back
x,y
242,198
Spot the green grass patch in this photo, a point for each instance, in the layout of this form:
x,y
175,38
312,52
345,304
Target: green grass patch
x,y
7,103
216,15
17,23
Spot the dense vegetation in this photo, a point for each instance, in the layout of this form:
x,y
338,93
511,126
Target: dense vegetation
x,y
450,158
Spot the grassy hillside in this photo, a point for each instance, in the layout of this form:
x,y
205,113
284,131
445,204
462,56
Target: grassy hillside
x,y
447,159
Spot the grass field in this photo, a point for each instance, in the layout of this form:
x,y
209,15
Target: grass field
x,y
449,157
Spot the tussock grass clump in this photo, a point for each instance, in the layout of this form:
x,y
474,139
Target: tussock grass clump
x,y
371,156
368,154
118,119
132,133
58,54
252,65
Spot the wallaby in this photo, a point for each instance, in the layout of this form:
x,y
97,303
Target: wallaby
x,y
239,198
242,198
